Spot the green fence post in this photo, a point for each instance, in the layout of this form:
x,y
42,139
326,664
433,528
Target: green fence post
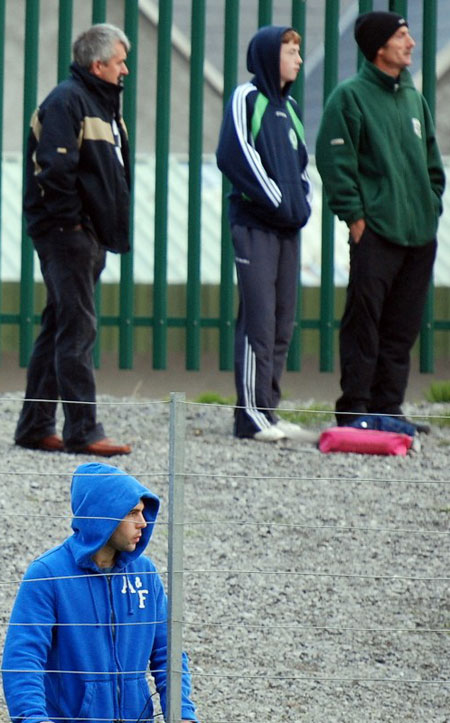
x,y
226,323
298,91
399,6
264,13
161,185
126,329
327,273
29,105
98,11
64,38
98,16
193,295
429,91
2,78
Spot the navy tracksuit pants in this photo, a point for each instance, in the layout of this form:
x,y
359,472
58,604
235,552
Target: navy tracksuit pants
x,y
386,294
267,265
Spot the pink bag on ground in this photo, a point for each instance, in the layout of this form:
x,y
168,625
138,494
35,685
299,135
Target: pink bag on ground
x,y
364,441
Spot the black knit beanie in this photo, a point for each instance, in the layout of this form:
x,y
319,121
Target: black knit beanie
x,y
373,30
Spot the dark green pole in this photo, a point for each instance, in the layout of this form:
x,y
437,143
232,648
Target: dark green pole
x,y
429,91
126,261
298,91
64,38
226,267
399,6
29,105
98,16
98,11
161,185
193,300
365,6
264,12
327,276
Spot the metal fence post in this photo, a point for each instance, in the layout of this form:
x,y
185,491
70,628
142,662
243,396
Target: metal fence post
x,y
162,184
177,427
298,91
429,90
193,290
327,280
29,105
226,323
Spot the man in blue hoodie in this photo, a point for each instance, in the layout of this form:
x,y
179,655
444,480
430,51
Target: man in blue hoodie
x,y
91,614
262,152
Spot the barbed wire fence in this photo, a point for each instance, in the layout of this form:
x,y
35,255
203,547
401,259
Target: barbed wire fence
x,y
288,610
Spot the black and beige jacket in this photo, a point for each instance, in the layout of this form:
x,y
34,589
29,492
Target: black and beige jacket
x,y
77,168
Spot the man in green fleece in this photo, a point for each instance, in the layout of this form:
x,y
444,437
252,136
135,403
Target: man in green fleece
x,y
382,173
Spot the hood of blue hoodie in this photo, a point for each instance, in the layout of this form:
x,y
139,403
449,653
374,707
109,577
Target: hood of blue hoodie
x,y
263,59
102,496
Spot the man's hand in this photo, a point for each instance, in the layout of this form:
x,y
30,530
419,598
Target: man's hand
x,y
357,230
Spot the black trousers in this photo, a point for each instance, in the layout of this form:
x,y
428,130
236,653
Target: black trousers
x,y
267,267
386,294
61,362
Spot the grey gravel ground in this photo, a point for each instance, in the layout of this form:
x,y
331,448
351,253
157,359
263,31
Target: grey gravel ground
x,y
316,586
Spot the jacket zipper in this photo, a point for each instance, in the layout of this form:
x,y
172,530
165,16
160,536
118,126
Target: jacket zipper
x,y
113,633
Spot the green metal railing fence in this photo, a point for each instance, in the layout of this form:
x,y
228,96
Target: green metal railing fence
x,y
126,321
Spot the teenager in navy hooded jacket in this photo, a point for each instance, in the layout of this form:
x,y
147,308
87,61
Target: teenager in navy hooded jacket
x,y
262,152
90,615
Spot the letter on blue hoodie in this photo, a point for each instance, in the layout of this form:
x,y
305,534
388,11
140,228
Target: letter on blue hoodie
x,y
80,641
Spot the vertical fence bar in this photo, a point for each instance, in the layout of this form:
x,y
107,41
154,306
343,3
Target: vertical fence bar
x,y
64,37
429,91
177,427
298,92
264,12
98,16
126,261
226,323
2,78
29,105
327,273
193,295
98,11
399,6
365,6
162,185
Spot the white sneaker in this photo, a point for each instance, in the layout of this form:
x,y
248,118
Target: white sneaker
x,y
294,431
269,434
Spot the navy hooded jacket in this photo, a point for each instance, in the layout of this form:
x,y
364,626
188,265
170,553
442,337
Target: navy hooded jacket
x,y
93,633
268,173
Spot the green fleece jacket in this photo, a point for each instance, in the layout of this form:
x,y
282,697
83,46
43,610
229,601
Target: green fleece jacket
x,y
378,157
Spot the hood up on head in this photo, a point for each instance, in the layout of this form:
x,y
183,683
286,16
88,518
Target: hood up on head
x,y
263,59
102,496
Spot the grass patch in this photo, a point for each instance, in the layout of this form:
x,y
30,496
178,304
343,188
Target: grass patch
x,y
439,392
213,398
312,414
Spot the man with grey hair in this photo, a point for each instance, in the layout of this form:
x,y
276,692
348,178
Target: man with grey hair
x,y
76,204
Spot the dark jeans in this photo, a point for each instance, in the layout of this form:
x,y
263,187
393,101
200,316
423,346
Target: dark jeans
x,y
386,295
61,363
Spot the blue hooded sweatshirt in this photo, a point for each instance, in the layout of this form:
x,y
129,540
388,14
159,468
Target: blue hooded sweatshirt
x,y
81,640
261,148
